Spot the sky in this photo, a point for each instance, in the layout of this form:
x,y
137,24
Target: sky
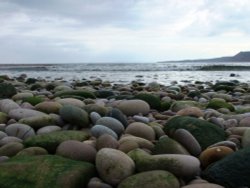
x,y
75,31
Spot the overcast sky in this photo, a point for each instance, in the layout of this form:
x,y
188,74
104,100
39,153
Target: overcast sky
x,y
64,31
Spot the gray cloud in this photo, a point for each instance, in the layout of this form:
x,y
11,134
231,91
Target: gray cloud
x,y
106,30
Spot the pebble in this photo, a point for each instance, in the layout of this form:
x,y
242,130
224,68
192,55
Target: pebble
x,y
211,155
106,141
185,138
76,150
48,129
19,130
111,123
113,166
141,130
99,130
133,107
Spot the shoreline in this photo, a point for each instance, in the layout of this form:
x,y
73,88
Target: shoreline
x,y
192,133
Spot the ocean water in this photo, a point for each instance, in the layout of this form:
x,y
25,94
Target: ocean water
x,y
122,73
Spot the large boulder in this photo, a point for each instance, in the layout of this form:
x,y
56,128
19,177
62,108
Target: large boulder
x,y
231,171
151,179
205,132
74,115
45,171
50,141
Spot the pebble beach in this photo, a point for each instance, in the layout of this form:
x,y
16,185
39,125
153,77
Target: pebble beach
x,y
100,134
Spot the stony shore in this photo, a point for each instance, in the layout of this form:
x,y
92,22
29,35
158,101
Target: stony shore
x,y
97,134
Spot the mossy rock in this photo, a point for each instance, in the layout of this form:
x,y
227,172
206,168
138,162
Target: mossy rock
x,y
122,97
7,90
72,96
165,105
34,100
82,93
36,86
194,93
205,132
96,108
151,179
74,115
104,93
167,145
32,151
217,103
31,81
37,122
153,100
45,171
179,105
231,171
180,165
224,85
3,118
50,141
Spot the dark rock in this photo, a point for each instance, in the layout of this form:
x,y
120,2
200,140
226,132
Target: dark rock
x,y
205,132
232,171
7,90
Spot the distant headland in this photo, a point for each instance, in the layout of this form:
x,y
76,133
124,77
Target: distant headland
x,y
240,57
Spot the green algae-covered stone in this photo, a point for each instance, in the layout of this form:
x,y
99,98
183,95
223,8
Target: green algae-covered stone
x,y
179,105
167,145
151,179
231,171
205,132
37,122
33,151
153,100
96,108
180,165
50,141
74,115
80,93
217,103
7,90
45,171
104,93
10,149
3,117
33,100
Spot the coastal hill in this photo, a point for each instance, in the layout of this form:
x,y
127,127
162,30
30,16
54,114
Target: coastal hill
x,y
240,57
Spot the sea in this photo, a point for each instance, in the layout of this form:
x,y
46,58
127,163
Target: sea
x,y
165,73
